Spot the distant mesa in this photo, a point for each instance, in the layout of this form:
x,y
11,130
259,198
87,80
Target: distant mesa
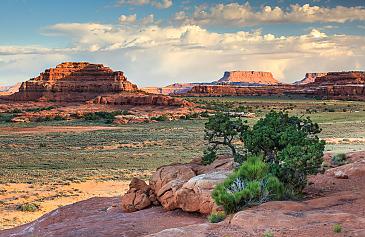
x,y
73,81
248,78
238,78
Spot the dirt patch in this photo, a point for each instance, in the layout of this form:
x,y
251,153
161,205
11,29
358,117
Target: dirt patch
x,y
49,197
53,129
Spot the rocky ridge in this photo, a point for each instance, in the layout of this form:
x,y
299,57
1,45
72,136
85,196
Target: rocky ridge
x,y
332,85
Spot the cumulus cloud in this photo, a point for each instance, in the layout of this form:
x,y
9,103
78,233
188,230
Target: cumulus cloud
x,y
243,15
159,55
162,4
128,19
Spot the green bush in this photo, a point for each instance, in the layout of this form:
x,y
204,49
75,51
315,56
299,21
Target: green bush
x,y
268,234
160,118
28,207
337,228
339,159
250,185
216,217
290,146
209,156
6,117
107,117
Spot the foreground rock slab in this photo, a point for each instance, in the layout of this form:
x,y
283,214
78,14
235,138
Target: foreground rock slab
x,y
102,217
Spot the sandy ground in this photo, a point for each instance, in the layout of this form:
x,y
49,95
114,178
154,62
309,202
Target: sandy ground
x,y
52,129
49,197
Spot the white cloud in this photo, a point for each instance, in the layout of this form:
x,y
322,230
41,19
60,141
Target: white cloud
x,y
243,15
128,19
162,4
157,55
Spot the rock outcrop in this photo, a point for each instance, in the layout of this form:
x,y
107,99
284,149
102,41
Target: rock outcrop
x,y
248,77
73,81
230,90
310,77
176,88
184,186
140,99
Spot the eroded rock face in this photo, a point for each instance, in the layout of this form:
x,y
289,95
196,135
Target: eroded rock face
x,y
310,77
73,81
140,99
249,77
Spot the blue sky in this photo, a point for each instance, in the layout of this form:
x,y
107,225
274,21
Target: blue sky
x,y
159,42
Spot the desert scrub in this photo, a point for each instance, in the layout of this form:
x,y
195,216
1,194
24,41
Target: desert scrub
x,y
337,228
160,118
290,146
28,207
106,117
268,234
339,159
216,217
250,185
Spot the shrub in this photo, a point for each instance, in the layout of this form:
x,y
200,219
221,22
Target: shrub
x,y
222,130
216,217
339,159
209,156
107,117
290,146
6,117
337,228
268,234
28,207
250,185
160,118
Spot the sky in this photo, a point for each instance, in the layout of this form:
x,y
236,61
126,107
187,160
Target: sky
x,y
160,42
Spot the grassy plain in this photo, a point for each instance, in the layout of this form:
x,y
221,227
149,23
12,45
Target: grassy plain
x,y
53,167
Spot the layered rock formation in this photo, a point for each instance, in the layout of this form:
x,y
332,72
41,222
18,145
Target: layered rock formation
x,y
331,85
73,81
310,77
140,99
229,90
176,88
248,77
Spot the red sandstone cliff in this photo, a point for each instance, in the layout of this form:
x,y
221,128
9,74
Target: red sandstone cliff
x,y
332,85
310,77
73,81
248,77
